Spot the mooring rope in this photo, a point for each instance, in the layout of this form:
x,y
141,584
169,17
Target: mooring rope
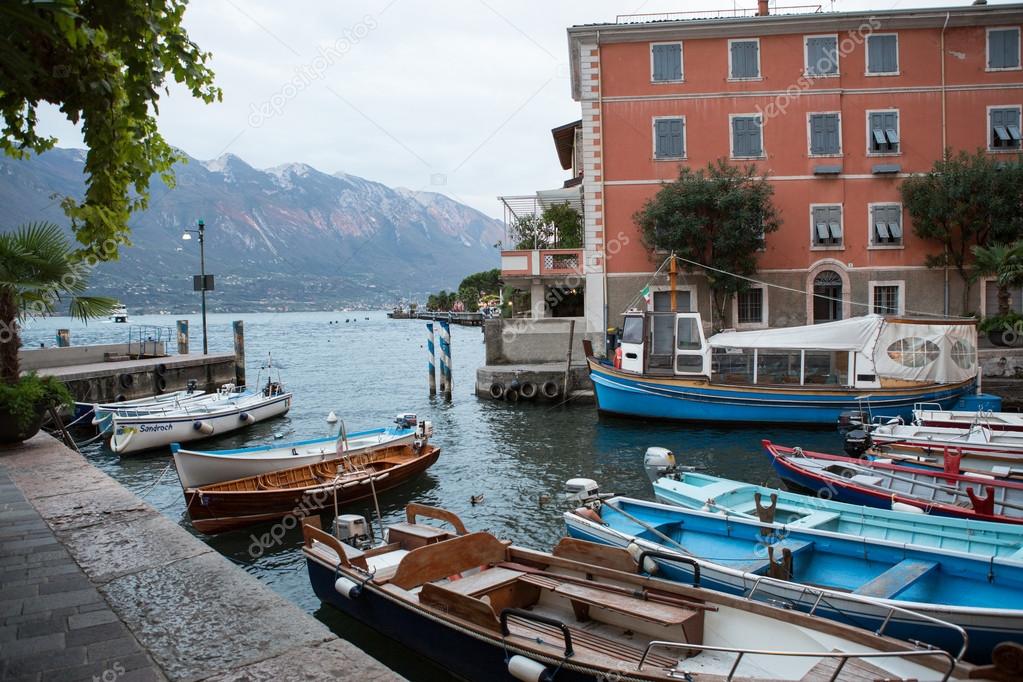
x,y
156,482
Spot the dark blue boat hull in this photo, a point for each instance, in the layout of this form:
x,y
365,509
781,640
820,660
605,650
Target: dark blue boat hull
x,y
461,654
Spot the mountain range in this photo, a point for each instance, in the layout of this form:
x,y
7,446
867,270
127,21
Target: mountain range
x,y
284,238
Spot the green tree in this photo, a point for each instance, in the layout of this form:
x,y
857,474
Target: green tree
x,y
716,216
567,225
531,232
477,285
1004,262
104,64
966,200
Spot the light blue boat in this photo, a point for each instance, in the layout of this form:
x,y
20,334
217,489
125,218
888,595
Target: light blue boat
x,y
669,369
695,490
852,579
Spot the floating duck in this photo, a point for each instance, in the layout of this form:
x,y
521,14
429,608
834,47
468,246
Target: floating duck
x,y
476,499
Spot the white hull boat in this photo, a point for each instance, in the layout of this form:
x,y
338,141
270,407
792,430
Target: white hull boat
x,y
983,450
200,468
932,415
102,412
194,422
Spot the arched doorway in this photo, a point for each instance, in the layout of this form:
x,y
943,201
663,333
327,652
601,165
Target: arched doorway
x,y
827,297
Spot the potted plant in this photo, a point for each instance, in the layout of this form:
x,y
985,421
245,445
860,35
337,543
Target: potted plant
x,y
1004,262
38,270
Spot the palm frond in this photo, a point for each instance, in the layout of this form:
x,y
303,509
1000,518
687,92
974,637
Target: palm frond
x,y
85,308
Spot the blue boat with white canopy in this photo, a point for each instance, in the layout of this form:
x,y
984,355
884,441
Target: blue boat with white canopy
x,y
670,369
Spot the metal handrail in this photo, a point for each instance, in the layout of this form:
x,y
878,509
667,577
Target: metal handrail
x,y
892,609
843,655
653,554
527,615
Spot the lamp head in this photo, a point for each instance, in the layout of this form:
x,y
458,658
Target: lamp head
x,y
186,236
201,224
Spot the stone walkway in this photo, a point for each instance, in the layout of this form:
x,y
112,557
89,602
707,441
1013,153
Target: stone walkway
x,y
97,585
56,624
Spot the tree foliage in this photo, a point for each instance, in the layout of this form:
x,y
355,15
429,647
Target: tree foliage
x,y
441,302
476,286
717,216
966,200
1004,262
559,226
104,64
36,274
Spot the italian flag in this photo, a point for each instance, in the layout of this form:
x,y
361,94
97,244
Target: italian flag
x,y
648,296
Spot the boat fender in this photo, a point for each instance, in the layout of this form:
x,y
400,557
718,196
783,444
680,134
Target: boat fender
x,y
903,507
161,383
528,670
511,395
528,390
246,418
119,398
348,589
161,369
496,390
202,427
649,565
618,358
126,380
549,390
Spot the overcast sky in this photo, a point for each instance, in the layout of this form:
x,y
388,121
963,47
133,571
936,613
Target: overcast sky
x,y
455,97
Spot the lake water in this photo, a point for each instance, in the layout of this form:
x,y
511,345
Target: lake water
x,y
371,368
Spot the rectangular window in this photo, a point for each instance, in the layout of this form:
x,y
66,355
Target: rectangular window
x,y
886,225
825,135
882,54
750,305
746,136
667,62
669,138
1003,48
683,299
827,226
744,57
1005,130
822,56
883,132
886,299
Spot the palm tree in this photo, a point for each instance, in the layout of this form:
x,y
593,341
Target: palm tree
x,y
1005,263
37,273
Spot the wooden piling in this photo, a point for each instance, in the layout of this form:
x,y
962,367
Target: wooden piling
x,y
239,352
568,361
182,337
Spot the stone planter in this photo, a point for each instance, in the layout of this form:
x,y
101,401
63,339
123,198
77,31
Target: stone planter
x,y
1005,339
12,433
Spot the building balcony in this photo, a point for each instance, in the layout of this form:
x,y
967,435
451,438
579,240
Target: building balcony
x,y
541,263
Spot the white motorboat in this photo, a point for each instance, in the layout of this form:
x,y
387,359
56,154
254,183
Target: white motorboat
x,y
929,414
976,448
101,412
196,421
119,314
198,468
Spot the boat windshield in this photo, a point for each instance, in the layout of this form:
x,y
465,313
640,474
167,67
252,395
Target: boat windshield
x,y
632,330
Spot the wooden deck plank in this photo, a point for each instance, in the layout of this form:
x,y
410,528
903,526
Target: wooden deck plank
x,y
896,579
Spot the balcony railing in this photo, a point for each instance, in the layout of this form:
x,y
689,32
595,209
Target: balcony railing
x,y
542,262
723,13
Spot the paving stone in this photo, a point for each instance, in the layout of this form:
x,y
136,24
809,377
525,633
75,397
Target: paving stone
x,y
176,611
113,648
56,569
8,632
92,618
96,633
42,662
66,582
19,592
62,600
334,660
33,645
43,626
78,510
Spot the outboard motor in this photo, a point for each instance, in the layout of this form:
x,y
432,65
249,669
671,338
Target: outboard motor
x,y
406,421
192,386
353,530
423,433
849,421
581,490
658,463
857,442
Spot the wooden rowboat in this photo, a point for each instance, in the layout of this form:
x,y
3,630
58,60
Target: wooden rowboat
x,y
302,490
488,610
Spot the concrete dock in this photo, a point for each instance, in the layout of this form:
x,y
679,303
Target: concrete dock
x,y
95,584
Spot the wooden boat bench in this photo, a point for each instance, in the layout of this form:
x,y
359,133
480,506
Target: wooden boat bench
x,y
591,643
896,579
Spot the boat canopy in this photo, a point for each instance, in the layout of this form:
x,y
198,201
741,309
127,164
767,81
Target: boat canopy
x,y
937,351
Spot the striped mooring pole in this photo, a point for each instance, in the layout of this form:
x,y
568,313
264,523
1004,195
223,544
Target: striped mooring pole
x,y
445,326
441,356
430,355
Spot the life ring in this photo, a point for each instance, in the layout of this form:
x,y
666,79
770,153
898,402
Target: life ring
x,y
618,357
161,383
549,390
528,390
126,380
511,395
496,390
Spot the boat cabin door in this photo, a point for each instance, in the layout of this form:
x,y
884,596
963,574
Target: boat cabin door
x,y
633,336
692,354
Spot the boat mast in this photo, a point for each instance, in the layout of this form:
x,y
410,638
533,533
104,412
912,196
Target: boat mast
x,y
672,277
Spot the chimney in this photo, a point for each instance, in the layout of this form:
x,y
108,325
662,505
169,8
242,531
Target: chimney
x,y
762,10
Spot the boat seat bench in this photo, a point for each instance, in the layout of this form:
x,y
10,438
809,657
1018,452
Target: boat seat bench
x,y
591,642
896,579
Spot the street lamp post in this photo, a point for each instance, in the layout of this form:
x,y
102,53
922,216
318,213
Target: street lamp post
x,y
201,231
